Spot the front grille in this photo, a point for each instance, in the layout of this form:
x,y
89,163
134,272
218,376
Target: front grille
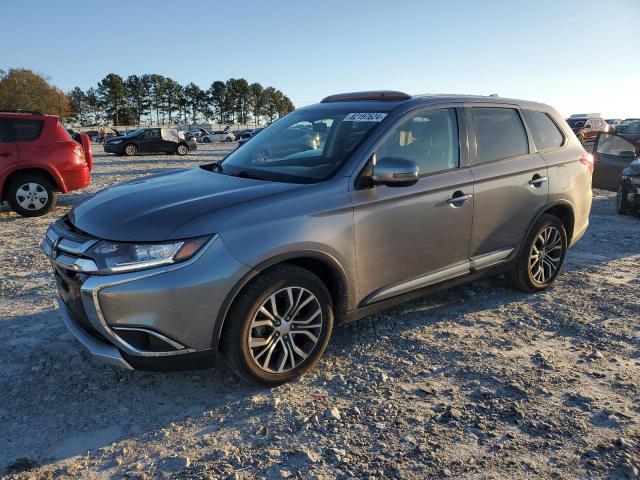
x,y
65,245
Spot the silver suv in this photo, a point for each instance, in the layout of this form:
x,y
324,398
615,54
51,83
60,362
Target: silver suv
x,y
336,210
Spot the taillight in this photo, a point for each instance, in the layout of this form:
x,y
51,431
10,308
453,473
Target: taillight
x,y
588,160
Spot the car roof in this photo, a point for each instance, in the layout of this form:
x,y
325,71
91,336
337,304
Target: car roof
x,y
25,114
377,100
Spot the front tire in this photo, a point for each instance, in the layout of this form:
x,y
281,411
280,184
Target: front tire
x,y
206,140
622,204
542,256
228,139
130,150
31,195
278,327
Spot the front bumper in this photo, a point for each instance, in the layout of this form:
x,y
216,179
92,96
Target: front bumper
x,y
149,315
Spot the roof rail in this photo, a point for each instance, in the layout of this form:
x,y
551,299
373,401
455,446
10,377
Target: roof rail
x,y
388,95
27,112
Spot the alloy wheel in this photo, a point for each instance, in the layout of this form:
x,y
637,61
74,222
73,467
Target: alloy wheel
x,y
130,150
546,255
182,150
32,196
285,330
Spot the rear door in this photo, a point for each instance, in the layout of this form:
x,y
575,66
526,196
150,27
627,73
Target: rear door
x,y
612,154
511,184
8,151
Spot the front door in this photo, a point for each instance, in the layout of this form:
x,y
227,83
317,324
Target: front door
x,y
8,152
612,154
413,236
511,184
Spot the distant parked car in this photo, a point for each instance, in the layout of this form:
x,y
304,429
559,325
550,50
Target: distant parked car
x,y
248,135
631,132
613,123
612,154
218,136
629,189
626,122
38,159
150,140
587,127
238,135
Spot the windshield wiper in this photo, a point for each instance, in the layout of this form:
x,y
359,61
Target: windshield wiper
x,y
246,174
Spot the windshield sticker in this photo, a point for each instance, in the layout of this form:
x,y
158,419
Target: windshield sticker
x,y
365,117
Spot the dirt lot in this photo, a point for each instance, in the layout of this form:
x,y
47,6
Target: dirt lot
x,y
477,382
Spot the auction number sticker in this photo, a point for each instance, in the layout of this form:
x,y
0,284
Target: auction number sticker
x,y
365,117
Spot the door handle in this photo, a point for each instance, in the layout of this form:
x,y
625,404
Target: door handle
x,y
536,181
459,197
6,154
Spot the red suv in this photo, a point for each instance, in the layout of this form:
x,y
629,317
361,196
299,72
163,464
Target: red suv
x,y
38,158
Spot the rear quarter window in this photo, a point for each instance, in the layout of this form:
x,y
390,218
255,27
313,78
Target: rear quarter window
x,y
499,133
23,130
545,132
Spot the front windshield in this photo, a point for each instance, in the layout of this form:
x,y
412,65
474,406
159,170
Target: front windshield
x,y
305,146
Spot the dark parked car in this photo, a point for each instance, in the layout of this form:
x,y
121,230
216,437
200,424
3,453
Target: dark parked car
x,y
248,136
629,189
626,122
257,260
612,154
587,127
240,133
631,131
151,140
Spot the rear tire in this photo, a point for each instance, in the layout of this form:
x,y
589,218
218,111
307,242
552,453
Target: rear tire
x,y
287,309
542,256
182,149
130,150
31,195
206,140
228,139
622,204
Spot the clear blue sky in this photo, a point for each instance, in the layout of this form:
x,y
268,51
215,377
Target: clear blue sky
x,y
578,55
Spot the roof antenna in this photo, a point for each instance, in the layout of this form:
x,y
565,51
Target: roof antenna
x,y
494,95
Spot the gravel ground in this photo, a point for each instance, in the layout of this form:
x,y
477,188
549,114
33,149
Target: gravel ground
x,y
477,382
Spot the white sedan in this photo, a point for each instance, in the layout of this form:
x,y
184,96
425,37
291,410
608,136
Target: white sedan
x,y
218,136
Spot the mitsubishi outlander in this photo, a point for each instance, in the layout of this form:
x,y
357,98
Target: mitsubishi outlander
x,y
335,211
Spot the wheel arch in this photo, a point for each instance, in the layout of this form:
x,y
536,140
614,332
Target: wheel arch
x,y
58,184
327,268
561,209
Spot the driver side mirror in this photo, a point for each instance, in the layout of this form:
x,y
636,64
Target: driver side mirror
x,y
395,172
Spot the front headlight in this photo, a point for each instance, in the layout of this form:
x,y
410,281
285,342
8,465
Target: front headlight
x,y
113,257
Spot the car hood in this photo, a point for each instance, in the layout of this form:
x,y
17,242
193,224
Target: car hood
x,y
152,208
633,169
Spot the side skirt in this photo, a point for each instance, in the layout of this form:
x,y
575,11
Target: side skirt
x,y
422,292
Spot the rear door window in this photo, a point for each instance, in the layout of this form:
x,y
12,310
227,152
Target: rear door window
x,y
545,132
499,133
24,130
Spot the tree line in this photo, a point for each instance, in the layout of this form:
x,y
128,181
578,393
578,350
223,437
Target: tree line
x,y
144,99
156,99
